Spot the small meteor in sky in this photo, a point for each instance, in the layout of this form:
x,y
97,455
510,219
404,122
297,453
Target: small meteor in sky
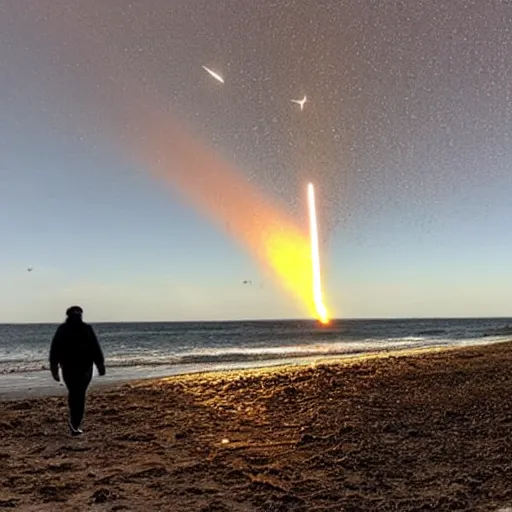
x,y
321,310
301,102
215,75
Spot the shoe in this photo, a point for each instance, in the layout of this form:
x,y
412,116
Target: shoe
x,y
75,431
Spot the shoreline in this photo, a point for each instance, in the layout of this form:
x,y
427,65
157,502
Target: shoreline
x,y
429,430
19,384
39,384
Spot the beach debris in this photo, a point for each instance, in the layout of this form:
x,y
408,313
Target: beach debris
x,y
225,441
301,102
214,74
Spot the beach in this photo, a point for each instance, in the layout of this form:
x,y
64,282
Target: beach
x,y
425,430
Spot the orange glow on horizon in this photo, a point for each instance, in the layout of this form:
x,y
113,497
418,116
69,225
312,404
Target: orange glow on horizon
x,y
321,310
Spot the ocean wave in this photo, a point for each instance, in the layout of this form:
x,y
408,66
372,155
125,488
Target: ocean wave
x,y
503,331
228,354
432,332
141,357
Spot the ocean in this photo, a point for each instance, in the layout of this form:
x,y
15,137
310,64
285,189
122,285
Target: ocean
x,y
139,350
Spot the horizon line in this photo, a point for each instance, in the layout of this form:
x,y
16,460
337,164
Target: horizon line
x,y
268,320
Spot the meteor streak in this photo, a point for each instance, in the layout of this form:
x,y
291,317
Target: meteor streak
x,y
141,125
215,75
321,310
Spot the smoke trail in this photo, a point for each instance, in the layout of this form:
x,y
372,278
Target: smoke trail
x,y
138,119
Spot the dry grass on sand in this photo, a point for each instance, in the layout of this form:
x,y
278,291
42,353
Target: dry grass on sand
x,y
429,431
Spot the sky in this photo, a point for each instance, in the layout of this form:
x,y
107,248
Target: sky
x,y
406,133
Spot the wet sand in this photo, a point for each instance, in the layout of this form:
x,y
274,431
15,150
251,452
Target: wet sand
x,y
430,431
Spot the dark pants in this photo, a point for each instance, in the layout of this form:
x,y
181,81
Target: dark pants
x,y
77,381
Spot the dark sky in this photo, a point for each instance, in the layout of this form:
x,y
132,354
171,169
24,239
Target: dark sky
x,y
408,123
413,97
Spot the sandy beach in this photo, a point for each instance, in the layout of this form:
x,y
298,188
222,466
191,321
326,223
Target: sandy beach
x,y
425,431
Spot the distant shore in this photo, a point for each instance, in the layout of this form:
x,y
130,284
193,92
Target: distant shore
x,y
423,430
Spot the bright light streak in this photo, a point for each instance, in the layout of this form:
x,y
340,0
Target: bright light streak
x,y
321,310
137,118
215,75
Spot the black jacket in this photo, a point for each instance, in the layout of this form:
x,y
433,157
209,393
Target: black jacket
x,y
75,346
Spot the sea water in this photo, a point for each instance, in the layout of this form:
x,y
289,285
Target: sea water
x,y
140,350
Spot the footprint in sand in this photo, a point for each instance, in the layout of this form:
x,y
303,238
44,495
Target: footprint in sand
x,y
102,495
61,467
8,504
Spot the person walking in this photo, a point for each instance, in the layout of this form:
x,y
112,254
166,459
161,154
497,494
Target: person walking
x,y
75,348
